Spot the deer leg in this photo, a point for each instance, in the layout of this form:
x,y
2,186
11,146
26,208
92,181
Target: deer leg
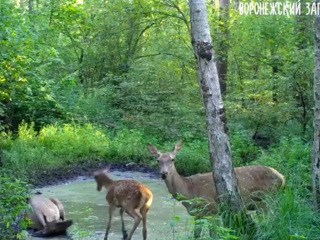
x,y
137,219
124,231
41,218
111,210
144,212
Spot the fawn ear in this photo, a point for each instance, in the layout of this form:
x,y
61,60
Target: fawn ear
x,y
177,147
153,150
108,167
105,170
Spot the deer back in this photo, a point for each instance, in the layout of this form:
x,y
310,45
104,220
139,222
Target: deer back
x,y
60,207
256,178
128,193
259,178
43,211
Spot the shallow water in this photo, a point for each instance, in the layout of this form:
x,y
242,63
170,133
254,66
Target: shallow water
x,y
167,218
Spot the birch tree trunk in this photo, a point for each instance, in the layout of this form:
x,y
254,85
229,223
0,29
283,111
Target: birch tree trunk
x,y
219,146
316,119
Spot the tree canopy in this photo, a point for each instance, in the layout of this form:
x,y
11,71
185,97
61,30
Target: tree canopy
x,y
131,62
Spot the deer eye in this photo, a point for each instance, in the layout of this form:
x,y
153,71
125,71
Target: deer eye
x,y
172,159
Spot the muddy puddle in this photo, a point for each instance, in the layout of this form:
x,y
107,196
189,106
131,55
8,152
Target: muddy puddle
x,y
167,218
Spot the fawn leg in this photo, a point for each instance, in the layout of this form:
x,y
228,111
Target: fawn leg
x,y
135,214
124,231
111,210
144,212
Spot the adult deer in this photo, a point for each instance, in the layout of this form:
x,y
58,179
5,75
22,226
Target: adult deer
x,y
130,196
47,216
252,182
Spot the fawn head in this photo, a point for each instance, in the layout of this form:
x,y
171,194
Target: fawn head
x,y
101,177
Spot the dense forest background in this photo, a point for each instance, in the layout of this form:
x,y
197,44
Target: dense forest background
x,y
96,80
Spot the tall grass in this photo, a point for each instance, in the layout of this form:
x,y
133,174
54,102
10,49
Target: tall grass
x,y
290,216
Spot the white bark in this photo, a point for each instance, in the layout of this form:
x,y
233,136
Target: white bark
x,y
219,146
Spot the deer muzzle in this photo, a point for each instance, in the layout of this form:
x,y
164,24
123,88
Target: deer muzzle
x,y
164,175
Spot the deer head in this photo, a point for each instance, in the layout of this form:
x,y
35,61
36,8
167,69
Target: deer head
x,y
102,178
165,160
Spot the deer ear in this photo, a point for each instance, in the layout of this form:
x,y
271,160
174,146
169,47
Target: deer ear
x,y
108,167
153,150
177,147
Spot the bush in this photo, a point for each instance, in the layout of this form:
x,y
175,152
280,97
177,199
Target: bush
x,y
61,145
128,144
243,149
193,158
54,145
13,195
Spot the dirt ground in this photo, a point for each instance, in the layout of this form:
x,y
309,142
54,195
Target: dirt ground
x,y
84,168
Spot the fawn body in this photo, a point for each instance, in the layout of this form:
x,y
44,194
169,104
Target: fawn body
x,y
130,196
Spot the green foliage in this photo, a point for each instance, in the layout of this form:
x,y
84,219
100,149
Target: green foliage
x,y
94,105
25,92
290,217
131,63
60,145
291,158
270,75
53,146
192,158
243,149
128,145
13,201
93,70
239,223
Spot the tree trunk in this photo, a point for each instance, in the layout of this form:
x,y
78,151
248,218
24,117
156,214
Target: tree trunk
x,y
219,146
223,45
316,119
